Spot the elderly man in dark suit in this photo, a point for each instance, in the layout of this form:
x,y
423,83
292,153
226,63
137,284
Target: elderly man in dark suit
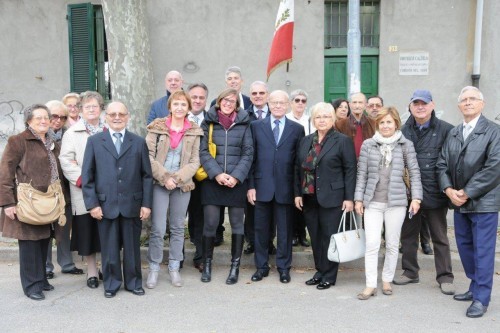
x,y
468,174
271,184
117,190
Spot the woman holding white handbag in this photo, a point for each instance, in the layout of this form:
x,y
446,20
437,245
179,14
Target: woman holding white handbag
x,y
325,175
381,195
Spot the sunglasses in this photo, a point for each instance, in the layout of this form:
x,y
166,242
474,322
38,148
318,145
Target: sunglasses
x,y
298,100
57,117
261,93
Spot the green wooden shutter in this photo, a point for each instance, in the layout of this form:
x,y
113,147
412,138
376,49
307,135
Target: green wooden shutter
x,y
81,28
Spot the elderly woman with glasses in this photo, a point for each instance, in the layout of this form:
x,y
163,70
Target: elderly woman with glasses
x,y
30,157
226,185
72,102
298,113
84,234
325,178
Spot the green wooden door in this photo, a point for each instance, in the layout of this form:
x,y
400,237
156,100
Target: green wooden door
x,y
336,76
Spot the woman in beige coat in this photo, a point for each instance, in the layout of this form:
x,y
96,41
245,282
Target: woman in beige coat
x,y
174,144
84,234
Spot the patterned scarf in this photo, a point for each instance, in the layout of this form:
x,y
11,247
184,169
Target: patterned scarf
x,y
49,146
311,162
91,129
387,145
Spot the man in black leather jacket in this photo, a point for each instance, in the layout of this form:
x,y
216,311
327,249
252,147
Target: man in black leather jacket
x,y
469,174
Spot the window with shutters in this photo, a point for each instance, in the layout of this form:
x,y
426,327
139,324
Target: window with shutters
x,y
88,54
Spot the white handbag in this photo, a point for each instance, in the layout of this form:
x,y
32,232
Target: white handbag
x,y
347,245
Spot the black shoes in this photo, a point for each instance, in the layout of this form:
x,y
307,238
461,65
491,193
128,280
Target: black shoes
x,y
426,248
249,249
300,240
323,285
37,296
260,274
285,277
313,282
295,241
48,287
109,294
92,282
476,310
137,291
50,275
207,245
74,271
463,297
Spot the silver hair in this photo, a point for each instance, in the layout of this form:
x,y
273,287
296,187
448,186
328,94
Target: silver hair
x,y
260,83
233,69
322,106
467,88
28,112
54,104
298,92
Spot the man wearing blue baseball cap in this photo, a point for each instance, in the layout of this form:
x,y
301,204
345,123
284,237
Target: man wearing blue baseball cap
x,y
428,134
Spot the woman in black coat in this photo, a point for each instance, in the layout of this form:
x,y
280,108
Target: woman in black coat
x,y
226,184
325,178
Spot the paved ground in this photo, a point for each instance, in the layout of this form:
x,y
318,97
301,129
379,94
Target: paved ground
x,y
266,306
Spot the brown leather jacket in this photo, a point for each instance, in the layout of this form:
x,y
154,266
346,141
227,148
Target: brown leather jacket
x,y
25,157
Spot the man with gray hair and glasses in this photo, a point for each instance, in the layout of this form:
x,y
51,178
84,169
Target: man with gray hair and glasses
x,y
468,170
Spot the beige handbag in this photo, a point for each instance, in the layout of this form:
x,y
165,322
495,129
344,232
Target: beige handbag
x,y
38,208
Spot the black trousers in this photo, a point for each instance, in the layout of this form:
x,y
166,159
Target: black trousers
x,y
322,223
114,234
436,219
299,224
32,258
195,221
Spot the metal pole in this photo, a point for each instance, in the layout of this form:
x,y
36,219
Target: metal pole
x,y
476,68
354,48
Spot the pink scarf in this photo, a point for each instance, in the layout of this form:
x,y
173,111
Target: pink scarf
x,y
176,136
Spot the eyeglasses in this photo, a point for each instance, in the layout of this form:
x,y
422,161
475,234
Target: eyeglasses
x,y
117,114
228,101
470,99
58,117
261,93
278,103
90,107
298,100
374,105
326,117
40,118
72,106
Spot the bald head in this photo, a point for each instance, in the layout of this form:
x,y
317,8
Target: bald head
x,y
357,104
173,81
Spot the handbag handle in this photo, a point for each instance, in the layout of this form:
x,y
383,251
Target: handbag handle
x,y
342,224
210,131
36,210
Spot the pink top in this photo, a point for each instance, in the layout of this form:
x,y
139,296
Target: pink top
x,y
176,136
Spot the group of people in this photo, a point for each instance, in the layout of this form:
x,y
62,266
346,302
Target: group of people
x,y
276,171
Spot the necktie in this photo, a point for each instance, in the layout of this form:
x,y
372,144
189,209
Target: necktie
x,y
195,118
467,130
118,141
276,130
259,114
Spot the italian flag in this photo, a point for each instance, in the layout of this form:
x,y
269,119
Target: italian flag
x,y
281,48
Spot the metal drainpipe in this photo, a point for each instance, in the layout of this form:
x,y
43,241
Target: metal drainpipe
x,y
476,67
354,49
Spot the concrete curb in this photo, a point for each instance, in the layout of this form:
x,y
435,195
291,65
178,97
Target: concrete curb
x,y
301,259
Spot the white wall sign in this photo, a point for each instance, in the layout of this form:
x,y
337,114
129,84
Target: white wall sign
x,y
414,63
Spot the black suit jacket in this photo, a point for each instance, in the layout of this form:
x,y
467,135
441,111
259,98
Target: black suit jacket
x,y
273,167
335,170
120,184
